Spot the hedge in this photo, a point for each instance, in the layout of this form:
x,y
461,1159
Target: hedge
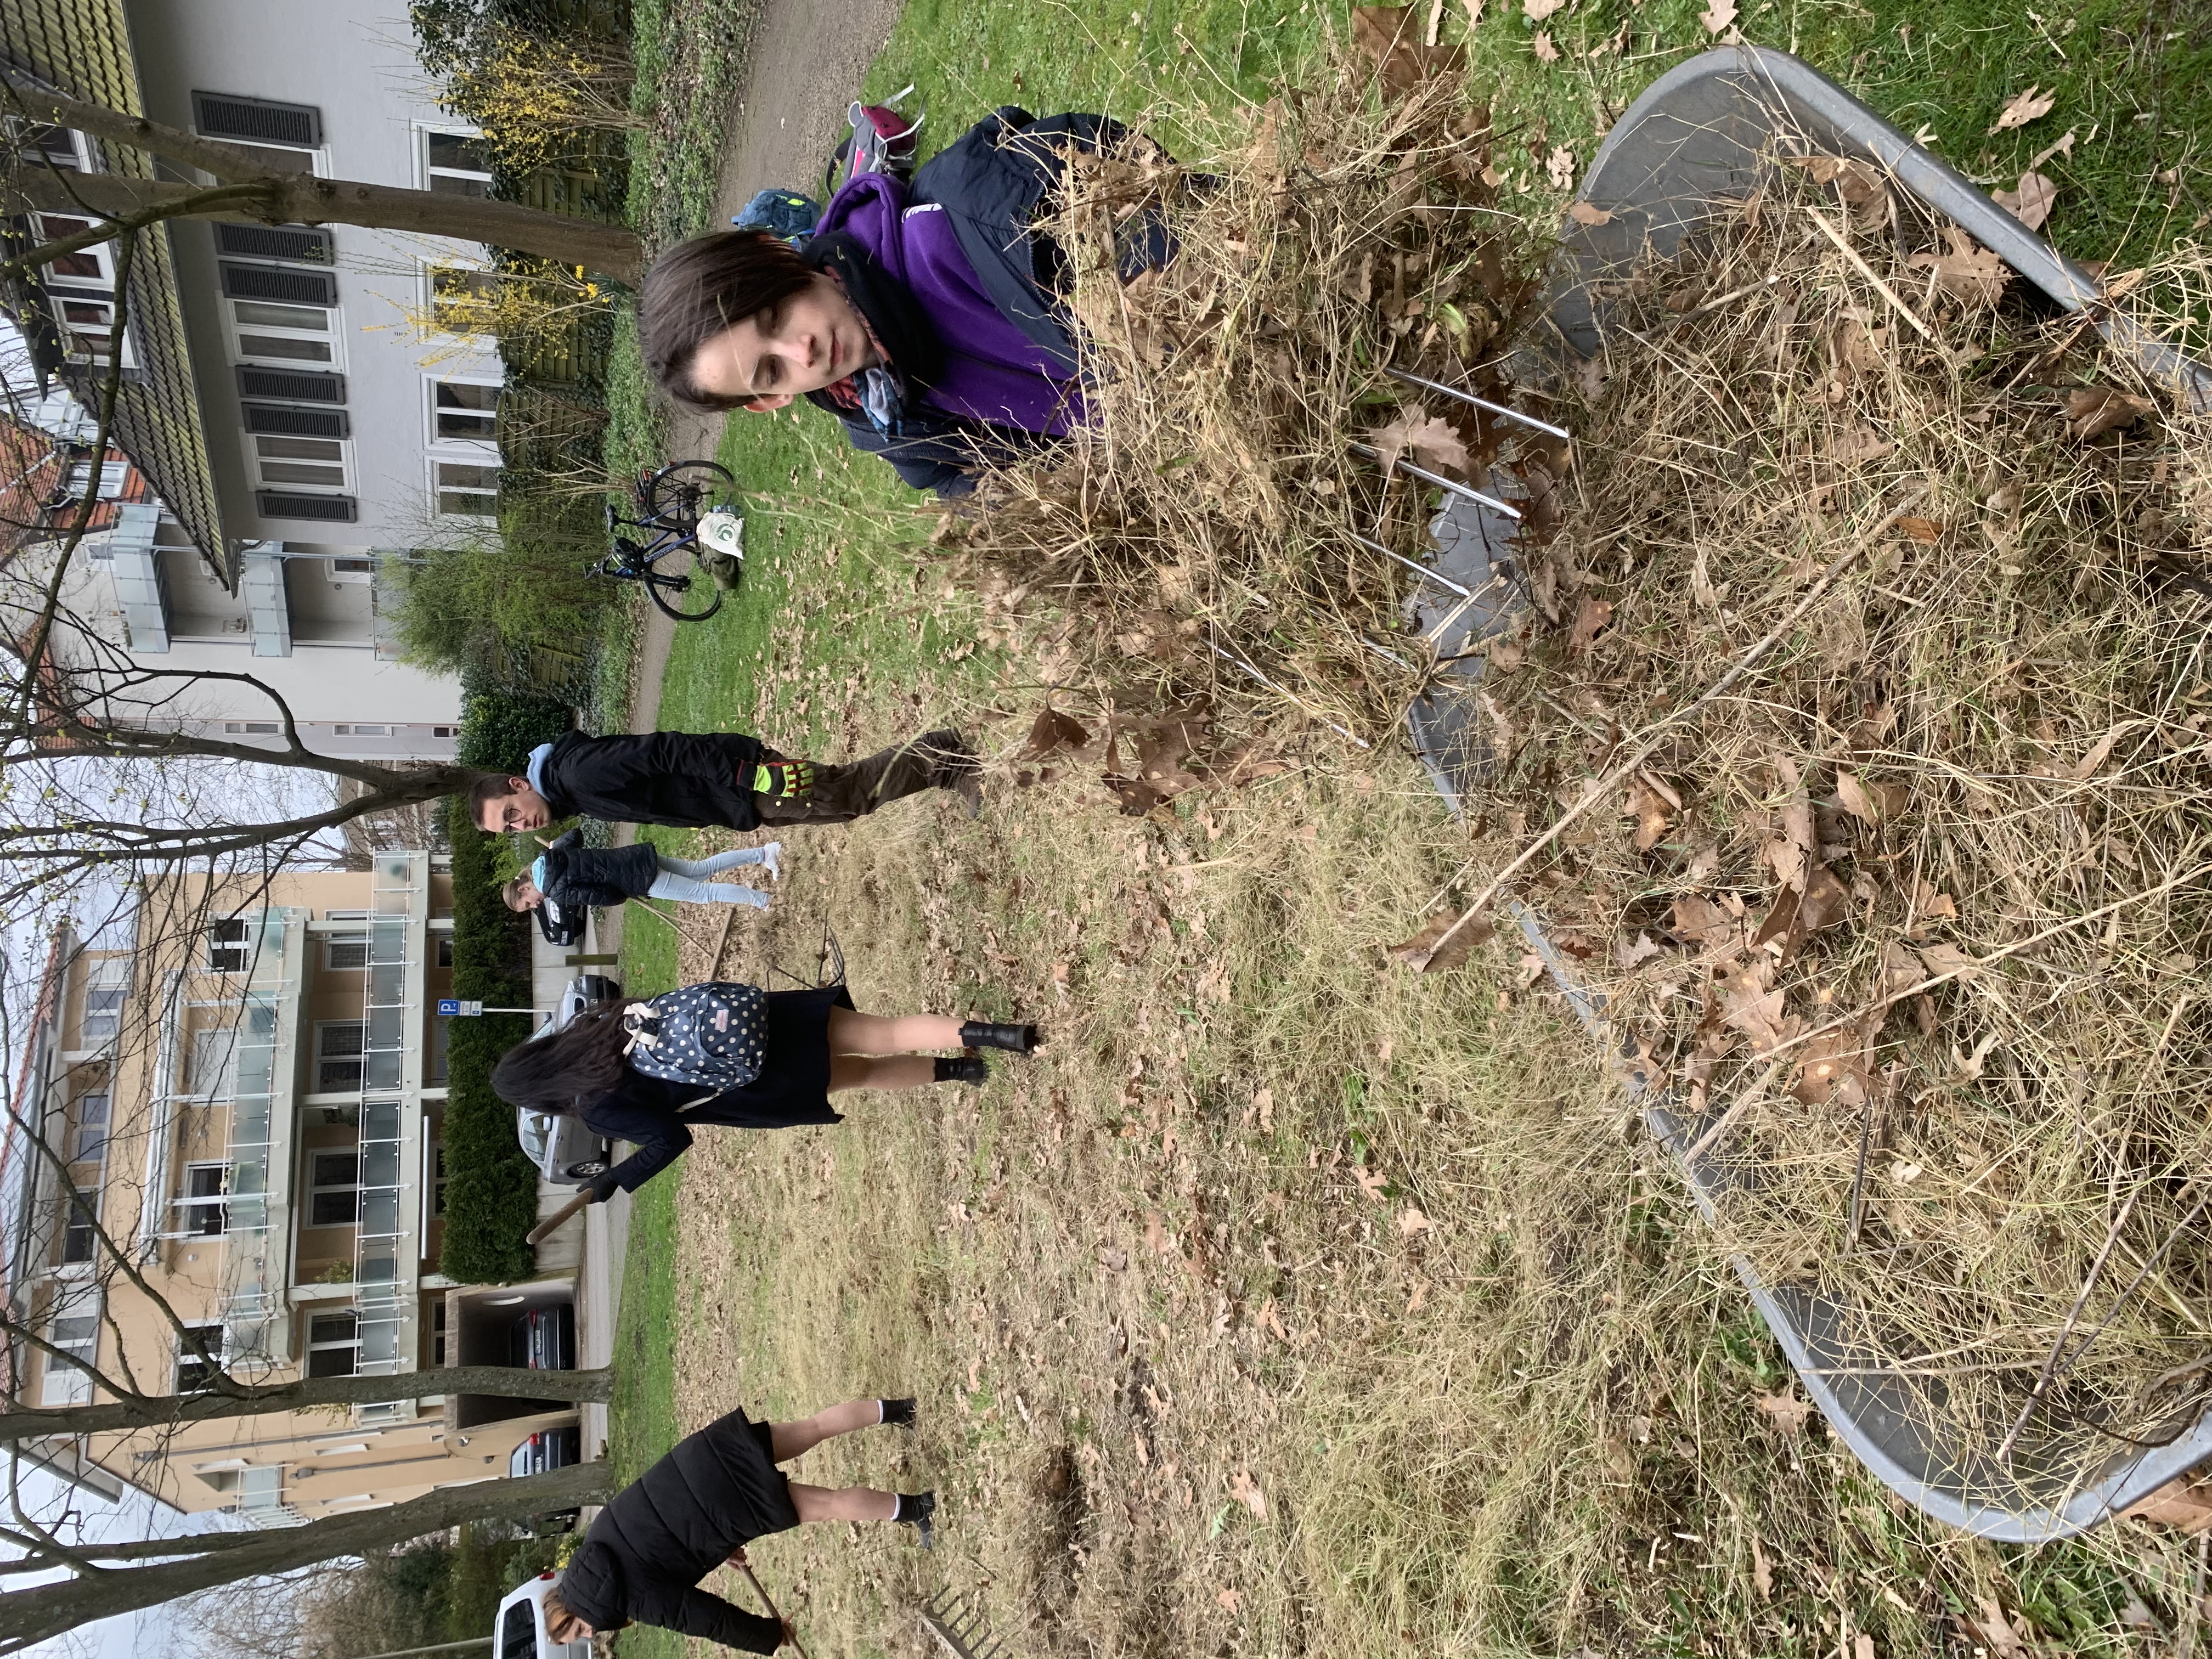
x,y
491,1189
499,728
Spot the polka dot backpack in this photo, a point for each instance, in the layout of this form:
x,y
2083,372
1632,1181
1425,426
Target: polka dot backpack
x,y
712,1033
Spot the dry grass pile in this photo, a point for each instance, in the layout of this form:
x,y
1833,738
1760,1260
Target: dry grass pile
x,y
1914,910
1200,539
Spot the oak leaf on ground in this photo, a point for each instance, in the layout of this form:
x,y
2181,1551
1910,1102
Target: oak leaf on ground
x,y
1784,1409
2093,410
1420,952
2032,105
1432,442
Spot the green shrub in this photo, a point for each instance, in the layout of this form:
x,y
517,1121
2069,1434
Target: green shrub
x,y
499,727
491,1192
518,607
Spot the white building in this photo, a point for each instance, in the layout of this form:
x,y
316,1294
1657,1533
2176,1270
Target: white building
x,y
295,428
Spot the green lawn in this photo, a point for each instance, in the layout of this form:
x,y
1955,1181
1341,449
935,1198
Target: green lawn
x,y
642,1420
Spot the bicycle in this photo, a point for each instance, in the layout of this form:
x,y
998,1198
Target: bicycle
x,y
670,512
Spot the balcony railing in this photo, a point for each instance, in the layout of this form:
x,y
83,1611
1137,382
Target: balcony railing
x,y
382,1239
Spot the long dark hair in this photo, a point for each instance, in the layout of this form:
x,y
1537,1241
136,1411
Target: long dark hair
x,y
699,288
559,1073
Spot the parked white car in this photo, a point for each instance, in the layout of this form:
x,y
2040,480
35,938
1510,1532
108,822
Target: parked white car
x,y
520,1631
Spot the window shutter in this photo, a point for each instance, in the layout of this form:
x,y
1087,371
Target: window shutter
x,y
257,120
296,422
297,385
299,288
285,504
300,243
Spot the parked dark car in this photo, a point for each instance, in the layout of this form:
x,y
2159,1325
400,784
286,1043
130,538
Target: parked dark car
x,y
549,1448
544,1339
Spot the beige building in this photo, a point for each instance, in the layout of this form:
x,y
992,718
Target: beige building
x,y
249,1108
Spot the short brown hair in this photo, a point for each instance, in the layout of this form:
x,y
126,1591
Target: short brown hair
x,y
699,288
489,787
512,893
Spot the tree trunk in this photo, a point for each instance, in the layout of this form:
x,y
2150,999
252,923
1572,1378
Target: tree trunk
x,y
303,200
170,1411
45,1611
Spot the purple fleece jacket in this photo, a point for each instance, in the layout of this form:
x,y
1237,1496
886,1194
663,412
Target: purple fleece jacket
x,y
993,372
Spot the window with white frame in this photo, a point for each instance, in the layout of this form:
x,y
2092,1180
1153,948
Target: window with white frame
x,y
455,163
112,473
462,298
333,1343
352,573
345,956
464,490
199,1357
237,728
75,1338
103,1011
203,1206
107,982
283,462
284,335
228,951
80,1233
81,289
339,1046
335,1180
91,1130
356,730
464,411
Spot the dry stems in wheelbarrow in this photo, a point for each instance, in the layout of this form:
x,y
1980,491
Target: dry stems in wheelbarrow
x,y
1915,915
1197,545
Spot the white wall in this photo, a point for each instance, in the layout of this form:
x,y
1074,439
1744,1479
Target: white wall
x,y
353,60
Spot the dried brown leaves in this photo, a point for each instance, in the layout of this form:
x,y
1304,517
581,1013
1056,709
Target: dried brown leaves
x,y
1914,886
1143,568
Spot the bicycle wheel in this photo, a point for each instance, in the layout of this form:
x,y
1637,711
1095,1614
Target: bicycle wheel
x,y
688,596
678,494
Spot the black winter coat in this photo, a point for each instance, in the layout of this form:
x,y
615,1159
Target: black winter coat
x,y
644,1555
695,779
655,1115
991,182
577,875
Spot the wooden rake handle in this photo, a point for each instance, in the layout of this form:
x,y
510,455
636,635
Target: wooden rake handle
x,y
773,1611
546,1228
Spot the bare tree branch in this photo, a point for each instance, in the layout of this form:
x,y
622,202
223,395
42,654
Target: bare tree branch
x,y
138,1411
42,1610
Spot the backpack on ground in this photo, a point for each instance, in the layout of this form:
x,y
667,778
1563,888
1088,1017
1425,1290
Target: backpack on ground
x,y
783,213
883,140
712,1035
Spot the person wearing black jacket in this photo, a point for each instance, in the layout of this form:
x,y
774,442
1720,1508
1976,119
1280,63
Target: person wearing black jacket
x,y
701,780
816,1043
571,876
714,1492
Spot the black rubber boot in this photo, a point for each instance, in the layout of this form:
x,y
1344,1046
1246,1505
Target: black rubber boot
x,y
953,766
1021,1039
899,1413
915,1509
963,1068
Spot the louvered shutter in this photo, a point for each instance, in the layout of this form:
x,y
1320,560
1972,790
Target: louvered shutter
x,y
293,385
285,504
297,288
302,244
257,120
296,422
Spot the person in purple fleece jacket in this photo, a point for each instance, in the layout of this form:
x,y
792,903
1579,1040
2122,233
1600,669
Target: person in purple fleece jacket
x,y
925,316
